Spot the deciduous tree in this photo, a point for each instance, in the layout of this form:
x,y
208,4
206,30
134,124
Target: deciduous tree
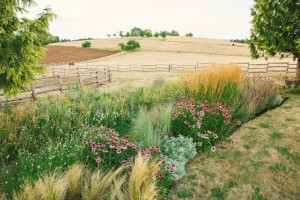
x,y
276,29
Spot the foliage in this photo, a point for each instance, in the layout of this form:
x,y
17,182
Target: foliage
x,y
150,127
156,34
189,35
130,46
21,45
174,33
136,32
51,39
147,33
205,123
108,35
164,34
86,44
121,34
178,151
275,29
238,40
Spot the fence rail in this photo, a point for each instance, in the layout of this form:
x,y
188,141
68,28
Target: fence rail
x,y
60,83
284,68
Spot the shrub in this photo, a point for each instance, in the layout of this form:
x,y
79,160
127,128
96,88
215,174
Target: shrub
x,y
86,44
150,127
178,151
130,46
189,35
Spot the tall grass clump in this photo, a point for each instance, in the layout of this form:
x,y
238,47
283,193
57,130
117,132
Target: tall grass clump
x,y
217,83
139,182
150,127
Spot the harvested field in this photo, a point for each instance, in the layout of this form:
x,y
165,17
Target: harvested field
x,y
57,54
174,50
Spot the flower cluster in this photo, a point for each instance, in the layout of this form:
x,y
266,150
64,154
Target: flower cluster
x,y
204,122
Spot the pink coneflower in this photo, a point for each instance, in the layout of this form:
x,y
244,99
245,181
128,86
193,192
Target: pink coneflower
x,y
112,146
206,136
163,157
199,134
118,151
186,122
105,151
167,168
157,149
209,132
173,165
98,160
214,149
216,136
239,122
199,144
134,146
199,123
151,147
201,114
93,150
124,147
202,135
171,171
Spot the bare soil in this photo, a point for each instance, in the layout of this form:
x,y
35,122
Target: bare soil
x,y
58,54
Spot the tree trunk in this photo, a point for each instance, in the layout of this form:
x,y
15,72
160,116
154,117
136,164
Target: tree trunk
x,y
298,69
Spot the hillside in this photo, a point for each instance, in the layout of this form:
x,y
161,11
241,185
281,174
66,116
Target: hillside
x,y
177,50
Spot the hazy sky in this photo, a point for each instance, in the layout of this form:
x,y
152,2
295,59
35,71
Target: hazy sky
x,y
222,19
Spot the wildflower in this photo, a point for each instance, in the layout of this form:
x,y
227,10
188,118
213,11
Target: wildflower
x,y
173,165
214,149
186,122
157,149
134,146
105,151
206,136
171,171
112,146
98,160
199,134
239,122
167,168
199,144
216,136
118,151
209,132
199,123
124,147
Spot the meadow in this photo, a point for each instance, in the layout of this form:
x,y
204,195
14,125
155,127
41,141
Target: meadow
x,y
136,140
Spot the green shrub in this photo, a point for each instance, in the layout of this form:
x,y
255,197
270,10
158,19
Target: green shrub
x,y
179,151
86,44
130,46
189,35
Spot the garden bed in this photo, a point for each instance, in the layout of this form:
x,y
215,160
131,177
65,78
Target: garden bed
x,y
167,123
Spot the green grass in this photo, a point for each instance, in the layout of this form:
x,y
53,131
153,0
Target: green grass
x,y
264,125
257,195
278,167
192,177
184,194
276,135
217,193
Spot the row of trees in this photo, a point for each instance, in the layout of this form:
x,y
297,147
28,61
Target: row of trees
x,y
138,32
55,39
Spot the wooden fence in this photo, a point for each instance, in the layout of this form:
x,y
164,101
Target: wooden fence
x,y
60,83
283,68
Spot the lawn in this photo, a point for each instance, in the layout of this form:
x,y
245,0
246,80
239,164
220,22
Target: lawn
x,y
261,160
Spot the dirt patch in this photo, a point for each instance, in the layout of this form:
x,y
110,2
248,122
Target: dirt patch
x,y
58,54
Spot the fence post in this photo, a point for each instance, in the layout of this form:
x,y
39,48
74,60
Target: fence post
x,y
287,68
248,69
109,76
170,67
267,68
33,92
80,79
98,77
60,84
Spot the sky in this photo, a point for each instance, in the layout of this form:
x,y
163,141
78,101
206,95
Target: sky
x,y
220,19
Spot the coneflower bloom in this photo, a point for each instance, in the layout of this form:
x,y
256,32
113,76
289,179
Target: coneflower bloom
x,y
214,149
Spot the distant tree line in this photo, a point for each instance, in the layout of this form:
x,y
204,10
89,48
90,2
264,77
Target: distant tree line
x,y
138,32
238,40
56,39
